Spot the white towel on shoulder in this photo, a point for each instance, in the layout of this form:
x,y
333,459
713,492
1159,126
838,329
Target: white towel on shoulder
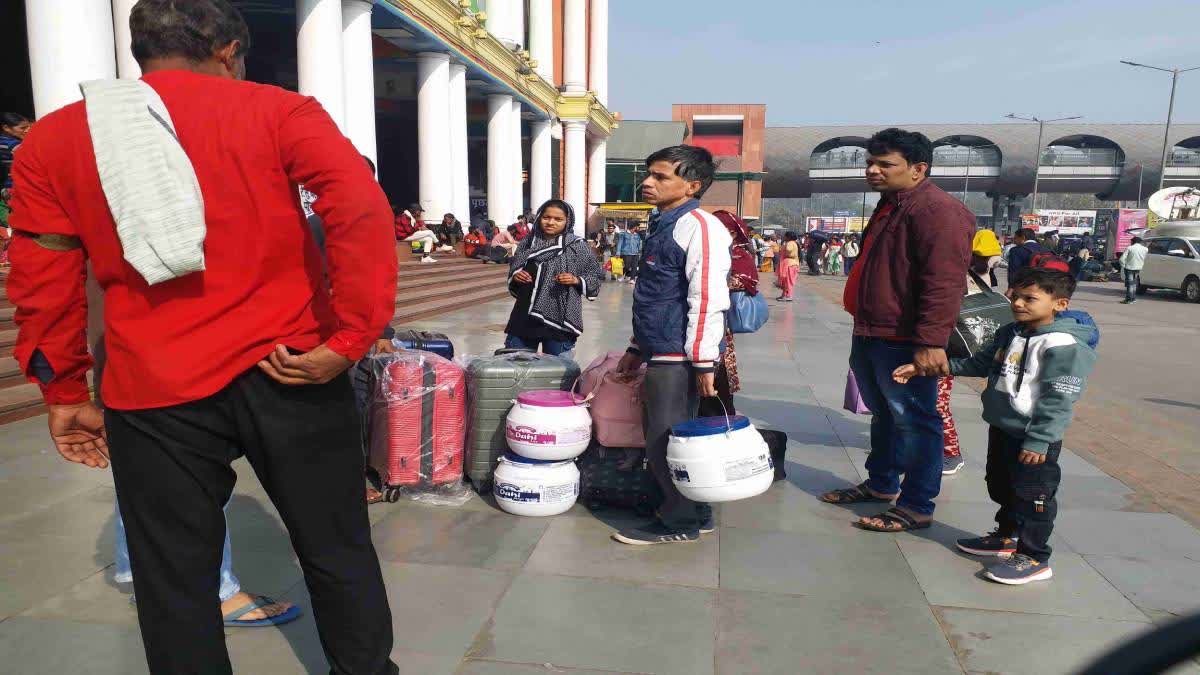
x,y
149,181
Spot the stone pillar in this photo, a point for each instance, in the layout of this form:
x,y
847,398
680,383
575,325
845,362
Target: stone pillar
x,y
358,60
517,157
597,172
498,166
539,163
127,67
598,58
319,55
69,43
506,21
541,37
458,144
575,193
574,47
433,134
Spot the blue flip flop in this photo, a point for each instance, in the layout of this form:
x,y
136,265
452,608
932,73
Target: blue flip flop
x,y
260,601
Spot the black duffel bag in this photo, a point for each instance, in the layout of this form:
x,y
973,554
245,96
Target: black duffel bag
x,y
983,312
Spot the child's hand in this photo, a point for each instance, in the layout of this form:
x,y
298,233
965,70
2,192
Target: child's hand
x,y
523,277
567,279
904,373
1030,457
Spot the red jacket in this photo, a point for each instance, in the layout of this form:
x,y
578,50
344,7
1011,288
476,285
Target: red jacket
x,y
264,278
406,225
915,271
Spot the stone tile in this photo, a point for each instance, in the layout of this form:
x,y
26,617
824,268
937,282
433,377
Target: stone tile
x,y
458,537
629,628
36,567
29,645
1165,585
38,481
290,648
792,505
954,579
1150,536
581,547
956,520
864,565
479,667
439,610
82,516
96,599
1007,642
28,438
772,633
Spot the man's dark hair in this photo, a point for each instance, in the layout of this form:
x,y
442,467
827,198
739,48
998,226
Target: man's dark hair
x,y
512,229
193,29
1136,240
1056,283
1027,234
415,208
691,163
913,146
10,119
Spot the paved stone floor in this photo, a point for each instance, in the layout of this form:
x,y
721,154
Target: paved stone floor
x,y
785,585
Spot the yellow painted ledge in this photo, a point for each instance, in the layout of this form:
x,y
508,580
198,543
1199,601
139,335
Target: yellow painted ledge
x,y
586,107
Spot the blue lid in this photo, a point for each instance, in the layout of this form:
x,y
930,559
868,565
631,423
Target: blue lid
x,y
709,426
514,458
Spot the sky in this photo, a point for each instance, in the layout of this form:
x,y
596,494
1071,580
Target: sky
x,y
815,62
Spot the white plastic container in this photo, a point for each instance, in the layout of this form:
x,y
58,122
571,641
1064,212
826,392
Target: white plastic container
x,y
719,459
549,425
529,487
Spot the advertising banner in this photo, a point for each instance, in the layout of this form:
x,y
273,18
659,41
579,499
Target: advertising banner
x,y
1066,221
835,223
1127,220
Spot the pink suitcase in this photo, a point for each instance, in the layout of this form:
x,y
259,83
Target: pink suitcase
x,y
417,419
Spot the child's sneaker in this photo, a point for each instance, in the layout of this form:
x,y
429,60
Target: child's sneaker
x,y
1019,569
951,465
992,543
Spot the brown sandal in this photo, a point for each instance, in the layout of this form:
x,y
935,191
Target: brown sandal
x,y
859,494
891,518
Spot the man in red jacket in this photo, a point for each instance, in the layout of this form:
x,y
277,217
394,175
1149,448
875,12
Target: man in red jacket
x,y
904,293
250,352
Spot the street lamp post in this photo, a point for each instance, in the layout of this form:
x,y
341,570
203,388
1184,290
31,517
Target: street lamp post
x,y
1037,167
1175,72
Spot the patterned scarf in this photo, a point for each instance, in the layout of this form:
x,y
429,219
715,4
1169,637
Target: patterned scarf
x,y
552,303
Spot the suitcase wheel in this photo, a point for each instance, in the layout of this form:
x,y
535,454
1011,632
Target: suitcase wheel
x,y
392,495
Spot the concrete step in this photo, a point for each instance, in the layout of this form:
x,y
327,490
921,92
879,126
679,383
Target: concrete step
x,y
449,289
10,373
6,318
8,338
479,272
438,306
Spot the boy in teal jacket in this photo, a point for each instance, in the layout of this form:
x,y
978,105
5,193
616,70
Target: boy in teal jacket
x,y
1036,370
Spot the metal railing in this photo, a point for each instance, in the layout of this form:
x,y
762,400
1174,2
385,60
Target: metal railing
x,y
839,159
961,156
1184,157
1065,156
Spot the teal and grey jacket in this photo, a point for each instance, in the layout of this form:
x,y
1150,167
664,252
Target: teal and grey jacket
x,y
1034,378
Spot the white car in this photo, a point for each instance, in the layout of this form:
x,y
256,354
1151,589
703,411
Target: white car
x,y
1173,262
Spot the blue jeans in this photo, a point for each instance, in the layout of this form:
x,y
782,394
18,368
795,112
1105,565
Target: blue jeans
x,y
124,573
551,347
906,428
1133,278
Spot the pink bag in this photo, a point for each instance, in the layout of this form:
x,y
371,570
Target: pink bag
x,y
853,400
616,405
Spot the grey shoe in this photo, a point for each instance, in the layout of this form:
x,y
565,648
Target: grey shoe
x,y
951,465
656,533
1018,570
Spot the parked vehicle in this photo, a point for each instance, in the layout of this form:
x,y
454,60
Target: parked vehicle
x,y
1174,260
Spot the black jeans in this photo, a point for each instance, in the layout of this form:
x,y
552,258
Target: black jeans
x,y
172,471
1025,493
670,398
631,263
814,263
850,264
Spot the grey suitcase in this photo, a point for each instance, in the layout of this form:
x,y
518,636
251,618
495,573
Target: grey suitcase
x,y
493,382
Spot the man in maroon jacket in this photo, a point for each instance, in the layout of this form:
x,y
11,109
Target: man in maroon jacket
x,y
905,292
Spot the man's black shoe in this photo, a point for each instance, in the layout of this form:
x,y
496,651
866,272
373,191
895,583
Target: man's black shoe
x,y
656,533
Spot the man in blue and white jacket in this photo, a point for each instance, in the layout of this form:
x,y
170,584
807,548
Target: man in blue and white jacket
x,y
679,307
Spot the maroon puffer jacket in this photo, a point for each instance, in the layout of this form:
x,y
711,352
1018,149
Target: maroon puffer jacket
x,y
915,273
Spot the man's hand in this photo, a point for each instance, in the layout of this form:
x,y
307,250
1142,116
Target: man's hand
x,y
1031,457
706,384
523,277
316,367
78,433
383,346
627,366
931,361
567,279
904,373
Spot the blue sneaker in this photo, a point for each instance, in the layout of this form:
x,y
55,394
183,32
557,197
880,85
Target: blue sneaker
x,y
993,543
655,533
708,526
1018,570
